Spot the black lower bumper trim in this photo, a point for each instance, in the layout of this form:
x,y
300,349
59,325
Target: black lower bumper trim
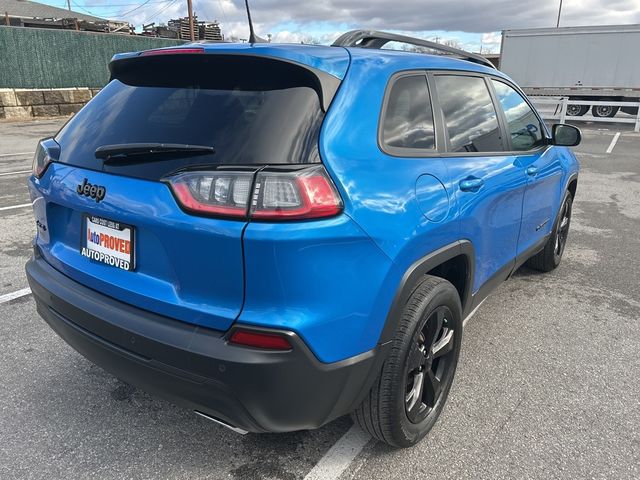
x,y
254,390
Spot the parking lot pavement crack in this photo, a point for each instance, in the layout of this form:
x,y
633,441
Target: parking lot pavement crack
x,y
506,421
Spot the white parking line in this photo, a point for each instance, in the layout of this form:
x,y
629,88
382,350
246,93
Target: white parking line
x,y
19,172
15,154
22,205
464,322
7,297
340,455
614,140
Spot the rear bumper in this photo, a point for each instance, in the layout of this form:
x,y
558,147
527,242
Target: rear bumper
x,y
255,390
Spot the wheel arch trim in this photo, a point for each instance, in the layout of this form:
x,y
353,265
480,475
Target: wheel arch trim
x,y
421,267
570,179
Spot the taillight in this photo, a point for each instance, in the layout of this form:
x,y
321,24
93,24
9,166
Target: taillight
x,y
215,193
44,156
267,341
277,194
307,193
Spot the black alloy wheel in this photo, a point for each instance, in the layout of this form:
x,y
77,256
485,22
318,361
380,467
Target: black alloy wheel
x,y
430,364
562,232
411,390
550,256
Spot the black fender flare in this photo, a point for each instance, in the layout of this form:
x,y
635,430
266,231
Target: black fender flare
x,y
420,268
570,178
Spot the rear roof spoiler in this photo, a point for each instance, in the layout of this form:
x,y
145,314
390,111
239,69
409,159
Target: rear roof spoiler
x,y
375,39
158,69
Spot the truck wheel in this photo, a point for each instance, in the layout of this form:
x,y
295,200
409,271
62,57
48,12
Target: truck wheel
x,y
630,110
577,110
604,110
410,392
549,258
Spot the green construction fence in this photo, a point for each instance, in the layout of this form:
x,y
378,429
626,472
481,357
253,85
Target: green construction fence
x,y
47,58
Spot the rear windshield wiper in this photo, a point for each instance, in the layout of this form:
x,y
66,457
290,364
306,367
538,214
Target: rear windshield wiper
x,y
129,151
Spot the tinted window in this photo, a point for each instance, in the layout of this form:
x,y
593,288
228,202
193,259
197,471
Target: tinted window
x,y
273,121
523,125
469,114
408,119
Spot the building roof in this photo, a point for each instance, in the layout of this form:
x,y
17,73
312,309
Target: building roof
x,y
26,9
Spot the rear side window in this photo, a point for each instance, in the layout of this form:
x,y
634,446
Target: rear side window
x,y
522,123
469,115
408,118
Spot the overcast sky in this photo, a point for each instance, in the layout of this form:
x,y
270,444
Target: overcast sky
x,y
472,23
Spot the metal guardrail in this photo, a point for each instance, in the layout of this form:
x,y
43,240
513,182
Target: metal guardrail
x,y
563,102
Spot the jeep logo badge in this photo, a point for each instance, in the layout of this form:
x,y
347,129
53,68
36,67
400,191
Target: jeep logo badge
x,y
96,192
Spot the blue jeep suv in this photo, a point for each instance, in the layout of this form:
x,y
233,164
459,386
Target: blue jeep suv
x,y
277,235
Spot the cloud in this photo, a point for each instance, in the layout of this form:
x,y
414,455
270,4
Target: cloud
x,y
491,40
479,16
293,20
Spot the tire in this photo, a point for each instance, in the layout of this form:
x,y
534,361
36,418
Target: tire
x,y
604,111
630,110
550,256
428,337
577,110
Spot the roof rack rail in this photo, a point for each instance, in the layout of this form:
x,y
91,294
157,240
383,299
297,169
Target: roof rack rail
x,y
376,39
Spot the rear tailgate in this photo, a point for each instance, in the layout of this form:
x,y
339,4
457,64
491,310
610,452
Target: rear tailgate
x,y
186,267
115,226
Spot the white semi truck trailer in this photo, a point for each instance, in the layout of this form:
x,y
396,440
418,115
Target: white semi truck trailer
x,y
583,63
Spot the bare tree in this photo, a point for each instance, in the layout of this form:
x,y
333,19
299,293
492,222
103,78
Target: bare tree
x,y
453,43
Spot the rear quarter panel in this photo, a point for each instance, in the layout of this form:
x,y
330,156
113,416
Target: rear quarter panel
x,y
379,190
323,279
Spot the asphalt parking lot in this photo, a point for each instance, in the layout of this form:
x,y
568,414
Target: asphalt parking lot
x,y
548,384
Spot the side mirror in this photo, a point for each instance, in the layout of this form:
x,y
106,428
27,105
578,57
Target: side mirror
x,y
565,135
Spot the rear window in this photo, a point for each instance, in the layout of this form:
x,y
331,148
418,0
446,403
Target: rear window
x,y
246,122
408,119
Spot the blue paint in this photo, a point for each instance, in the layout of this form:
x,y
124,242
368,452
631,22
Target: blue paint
x,y
432,198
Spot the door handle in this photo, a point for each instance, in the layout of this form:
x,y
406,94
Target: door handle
x,y
471,184
532,171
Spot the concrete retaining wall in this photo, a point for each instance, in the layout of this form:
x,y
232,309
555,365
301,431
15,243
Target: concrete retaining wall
x,y
17,104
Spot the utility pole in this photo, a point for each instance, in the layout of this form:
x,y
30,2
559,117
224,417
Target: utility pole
x,y
69,4
191,31
559,13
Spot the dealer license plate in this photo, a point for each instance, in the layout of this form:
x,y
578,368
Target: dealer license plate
x,y
108,242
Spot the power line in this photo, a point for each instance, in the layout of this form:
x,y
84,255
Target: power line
x,y
115,13
111,5
224,16
83,9
134,9
148,19
138,6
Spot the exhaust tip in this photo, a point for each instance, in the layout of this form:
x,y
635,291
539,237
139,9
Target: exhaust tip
x,y
220,422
